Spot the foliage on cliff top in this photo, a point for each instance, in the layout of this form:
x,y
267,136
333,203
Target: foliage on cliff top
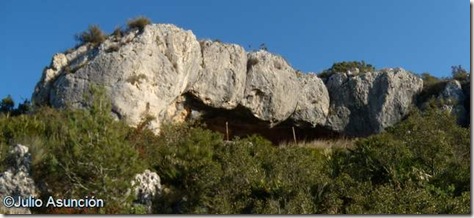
x,y
344,66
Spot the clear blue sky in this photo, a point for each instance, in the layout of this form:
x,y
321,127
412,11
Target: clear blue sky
x,y
418,35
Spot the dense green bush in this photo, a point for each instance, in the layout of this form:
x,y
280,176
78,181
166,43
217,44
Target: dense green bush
x,y
204,174
345,66
78,153
419,166
93,35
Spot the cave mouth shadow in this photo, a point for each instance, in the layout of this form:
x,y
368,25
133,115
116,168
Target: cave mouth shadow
x,y
240,123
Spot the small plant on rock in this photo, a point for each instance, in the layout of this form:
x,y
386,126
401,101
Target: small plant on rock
x,y
139,22
118,34
93,35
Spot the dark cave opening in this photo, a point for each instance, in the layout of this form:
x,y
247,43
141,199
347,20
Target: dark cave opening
x,y
239,122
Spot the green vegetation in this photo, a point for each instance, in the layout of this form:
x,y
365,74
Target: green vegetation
x,y
421,165
459,73
93,35
7,106
139,22
77,153
418,166
346,66
433,86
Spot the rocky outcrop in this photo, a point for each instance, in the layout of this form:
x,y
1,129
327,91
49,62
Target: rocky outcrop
x,y
143,73
165,72
453,98
366,104
147,187
17,182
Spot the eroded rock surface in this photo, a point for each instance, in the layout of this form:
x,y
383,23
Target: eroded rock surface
x,y
147,187
165,72
222,80
17,182
271,88
313,101
453,98
370,102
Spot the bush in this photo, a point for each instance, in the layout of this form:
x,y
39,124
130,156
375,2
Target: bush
x,y
117,33
7,106
93,35
342,67
203,174
417,166
459,73
432,87
139,22
78,153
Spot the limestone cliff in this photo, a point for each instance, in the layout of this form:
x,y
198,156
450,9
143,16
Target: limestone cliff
x,y
165,72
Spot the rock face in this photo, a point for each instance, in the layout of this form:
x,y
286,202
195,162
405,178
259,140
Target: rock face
x,y
16,182
365,104
313,101
271,87
165,72
222,80
143,73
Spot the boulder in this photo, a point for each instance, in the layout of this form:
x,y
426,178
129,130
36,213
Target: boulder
x,y
147,187
271,87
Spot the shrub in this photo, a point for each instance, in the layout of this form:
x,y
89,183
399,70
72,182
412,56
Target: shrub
x,y
203,174
346,66
6,105
93,35
78,153
429,80
432,86
117,33
459,73
416,165
139,22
